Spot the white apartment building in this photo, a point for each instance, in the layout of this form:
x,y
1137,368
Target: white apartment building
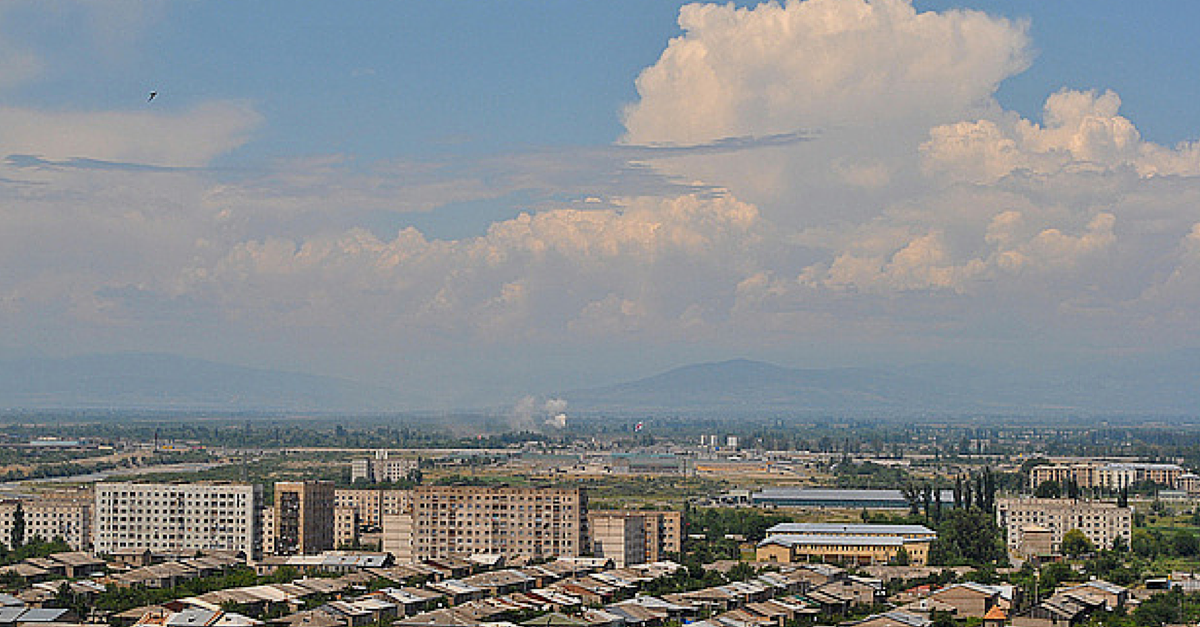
x,y
382,468
1101,522
50,517
178,517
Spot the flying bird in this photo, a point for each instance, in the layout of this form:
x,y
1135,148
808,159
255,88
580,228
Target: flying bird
x,y
152,95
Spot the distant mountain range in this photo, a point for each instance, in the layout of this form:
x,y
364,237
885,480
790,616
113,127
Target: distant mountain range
x,y
1164,385
168,382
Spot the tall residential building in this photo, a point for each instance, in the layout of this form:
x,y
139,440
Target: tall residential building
x,y
371,505
303,517
663,533
65,515
534,522
383,467
621,538
397,537
178,517
268,531
345,526
1102,523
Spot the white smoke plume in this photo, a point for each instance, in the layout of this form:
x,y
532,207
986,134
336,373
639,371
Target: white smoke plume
x,y
531,413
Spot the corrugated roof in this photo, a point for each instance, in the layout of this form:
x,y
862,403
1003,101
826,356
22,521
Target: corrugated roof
x,y
849,529
798,539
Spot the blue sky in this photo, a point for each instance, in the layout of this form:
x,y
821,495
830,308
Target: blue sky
x,y
464,198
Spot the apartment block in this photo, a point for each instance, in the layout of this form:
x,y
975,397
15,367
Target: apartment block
x,y
178,517
663,530
371,505
1111,476
621,538
67,516
1101,522
345,526
382,467
397,537
303,517
533,522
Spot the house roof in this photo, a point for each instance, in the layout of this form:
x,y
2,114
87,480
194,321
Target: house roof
x,y
555,619
912,620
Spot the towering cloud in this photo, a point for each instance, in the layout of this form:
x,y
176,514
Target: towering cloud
x,y
775,68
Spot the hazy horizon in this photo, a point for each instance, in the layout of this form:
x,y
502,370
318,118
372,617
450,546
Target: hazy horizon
x,y
475,203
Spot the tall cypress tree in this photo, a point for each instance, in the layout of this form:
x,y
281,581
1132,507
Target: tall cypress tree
x,y
18,528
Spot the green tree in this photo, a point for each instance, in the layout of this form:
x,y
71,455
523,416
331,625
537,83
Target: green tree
x,y
1160,609
967,537
1119,545
1048,489
1184,543
18,526
942,619
741,572
1075,543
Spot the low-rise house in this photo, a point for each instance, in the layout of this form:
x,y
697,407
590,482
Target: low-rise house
x,y
500,582
541,577
828,603
37,616
131,557
164,575
856,592
969,600
1059,611
353,616
439,618
48,565
410,601
674,612
600,618
310,618
894,618
553,599
1114,596
197,617
591,593
718,598
382,611
453,567
456,591
556,619
27,571
813,575
78,564
744,618
770,611
638,616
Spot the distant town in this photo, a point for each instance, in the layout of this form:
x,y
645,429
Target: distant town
x,y
231,523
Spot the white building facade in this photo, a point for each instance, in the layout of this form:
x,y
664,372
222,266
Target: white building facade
x,y
178,517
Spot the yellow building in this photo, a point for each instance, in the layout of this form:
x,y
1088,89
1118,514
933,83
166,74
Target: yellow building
x,y
860,550
846,544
